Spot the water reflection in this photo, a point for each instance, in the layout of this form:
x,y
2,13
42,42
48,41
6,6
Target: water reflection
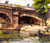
x,y
22,38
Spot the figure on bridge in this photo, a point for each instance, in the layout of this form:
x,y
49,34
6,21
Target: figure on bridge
x,y
6,2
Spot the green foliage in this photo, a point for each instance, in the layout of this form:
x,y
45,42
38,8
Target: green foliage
x,y
48,6
39,3
19,4
42,7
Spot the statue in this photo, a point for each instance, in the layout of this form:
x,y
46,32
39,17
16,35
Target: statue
x,y
6,2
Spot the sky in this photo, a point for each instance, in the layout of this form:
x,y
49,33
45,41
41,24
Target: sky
x,y
21,2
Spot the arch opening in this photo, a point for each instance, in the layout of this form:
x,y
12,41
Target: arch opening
x,y
4,20
28,20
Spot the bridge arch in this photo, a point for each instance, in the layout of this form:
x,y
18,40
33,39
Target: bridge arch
x,y
8,15
4,18
28,20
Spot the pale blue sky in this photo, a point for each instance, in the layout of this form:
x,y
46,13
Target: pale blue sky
x,y
22,2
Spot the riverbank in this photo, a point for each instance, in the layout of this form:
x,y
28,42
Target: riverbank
x,y
9,34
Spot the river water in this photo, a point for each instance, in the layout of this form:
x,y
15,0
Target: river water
x,y
34,39
23,38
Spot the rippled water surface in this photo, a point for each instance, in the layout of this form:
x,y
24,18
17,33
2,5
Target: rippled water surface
x,y
21,38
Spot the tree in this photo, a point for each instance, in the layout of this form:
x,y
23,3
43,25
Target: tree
x,y
42,7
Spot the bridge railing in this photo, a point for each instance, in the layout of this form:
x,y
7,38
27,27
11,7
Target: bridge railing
x,y
2,4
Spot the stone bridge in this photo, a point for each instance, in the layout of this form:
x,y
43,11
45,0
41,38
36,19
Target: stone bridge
x,y
10,14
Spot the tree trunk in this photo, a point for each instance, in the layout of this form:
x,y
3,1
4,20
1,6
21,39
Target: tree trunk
x,y
42,22
45,19
45,22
